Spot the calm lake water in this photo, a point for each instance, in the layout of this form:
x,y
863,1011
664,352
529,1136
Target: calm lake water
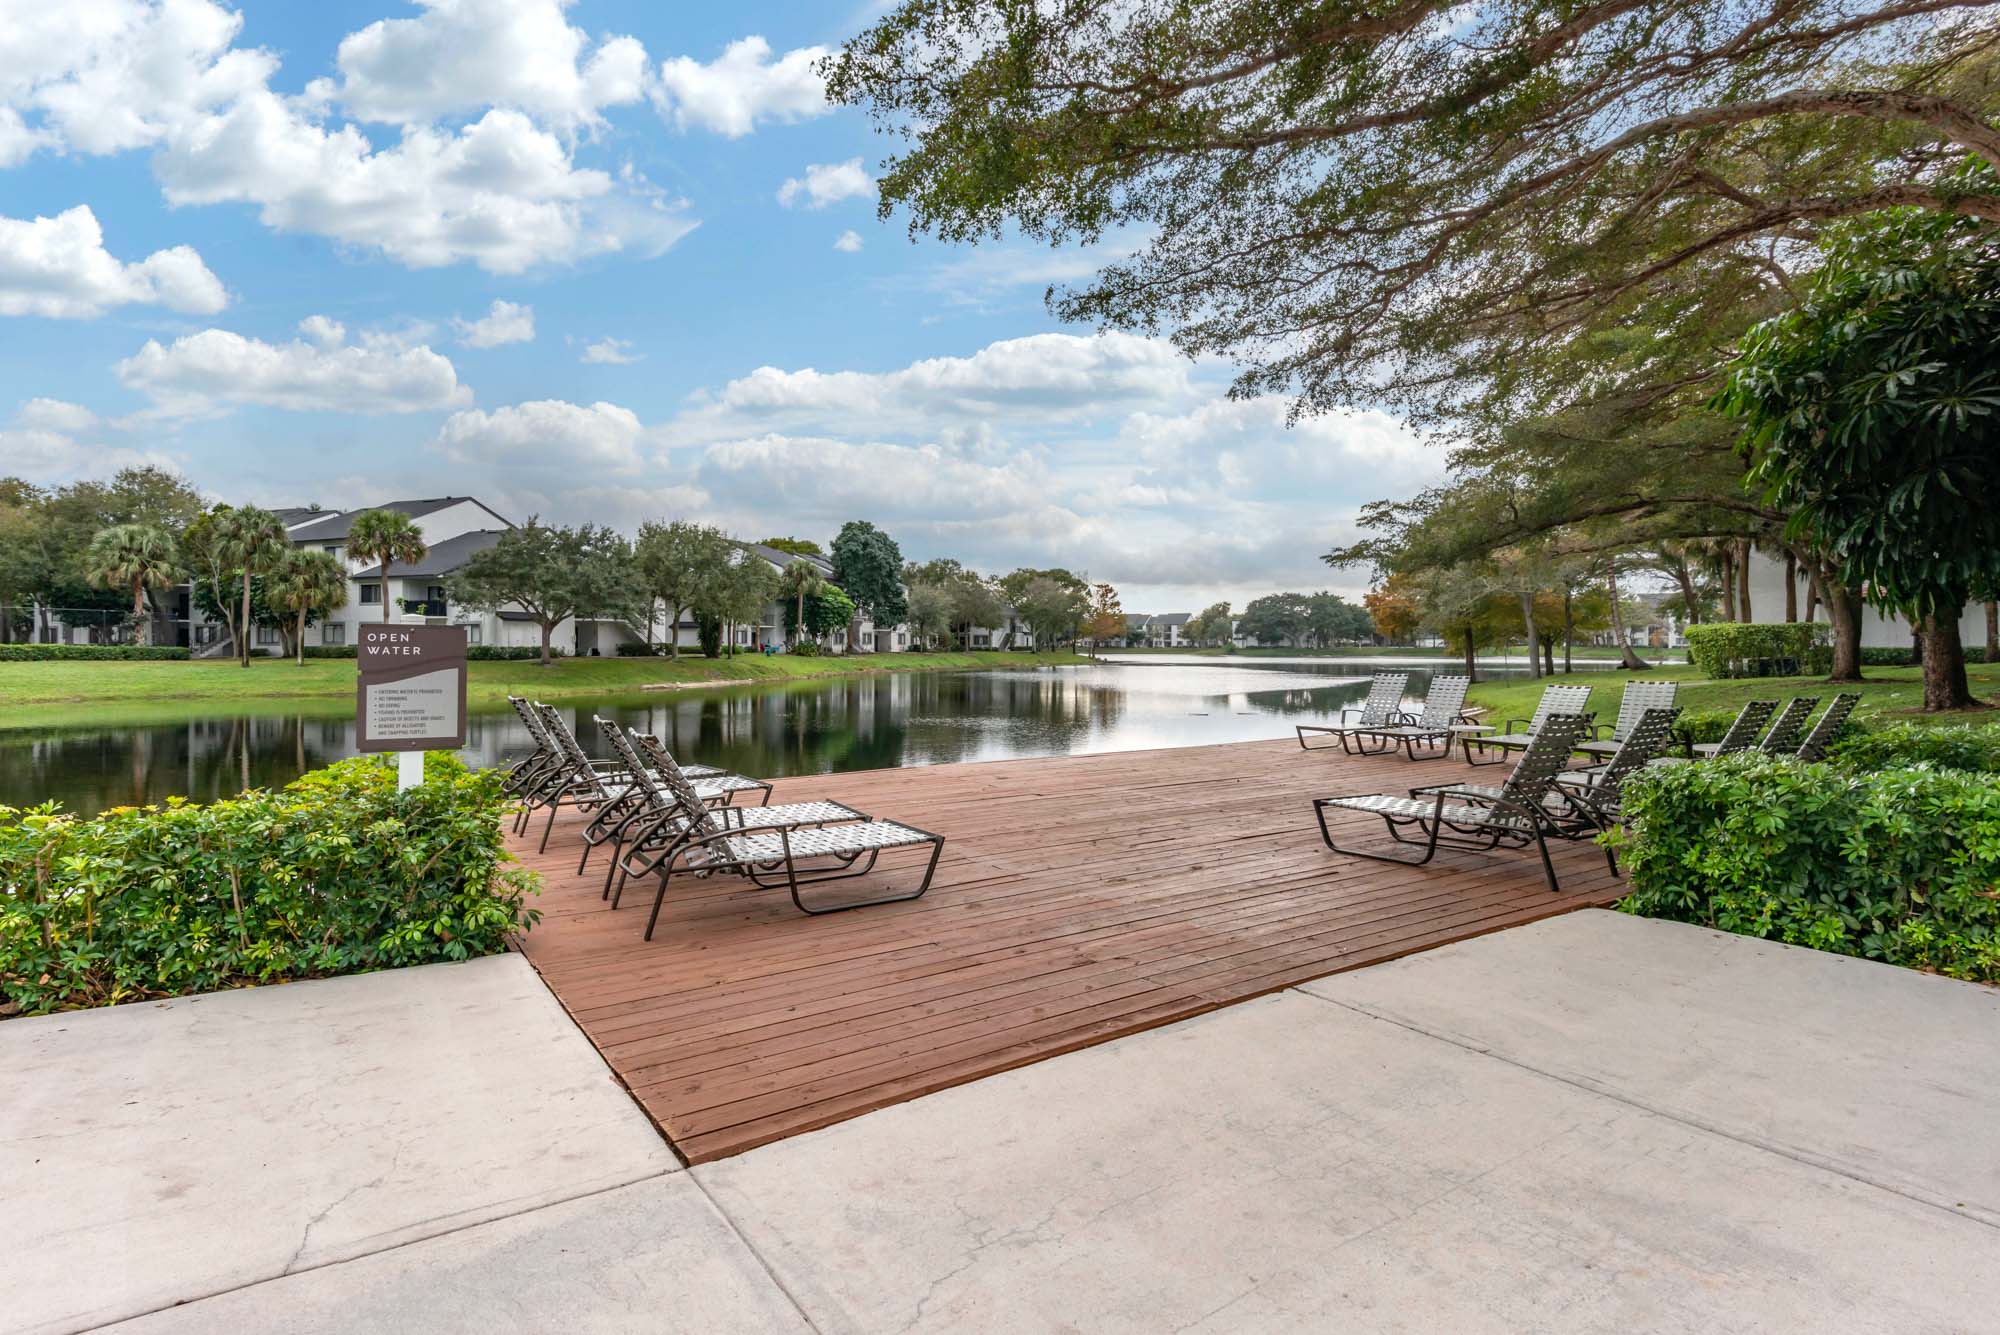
x,y
876,722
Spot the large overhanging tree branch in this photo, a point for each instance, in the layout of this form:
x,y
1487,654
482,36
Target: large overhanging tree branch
x,y
1366,200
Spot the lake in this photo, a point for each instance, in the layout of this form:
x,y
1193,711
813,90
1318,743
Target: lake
x,y
771,730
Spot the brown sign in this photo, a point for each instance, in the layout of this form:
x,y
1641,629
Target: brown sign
x,y
411,692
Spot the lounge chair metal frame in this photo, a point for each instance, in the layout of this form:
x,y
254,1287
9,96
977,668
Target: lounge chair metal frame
x,y
1555,700
1813,747
1474,818
1742,732
1383,706
1435,728
769,859
1593,796
1783,737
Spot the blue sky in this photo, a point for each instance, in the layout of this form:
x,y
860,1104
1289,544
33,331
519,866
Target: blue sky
x,y
598,260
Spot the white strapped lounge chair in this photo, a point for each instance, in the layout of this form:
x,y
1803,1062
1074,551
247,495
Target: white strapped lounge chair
x,y
1513,815
1383,707
770,858
1434,728
1594,795
1813,748
1783,738
1740,736
648,835
1639,697
1555,700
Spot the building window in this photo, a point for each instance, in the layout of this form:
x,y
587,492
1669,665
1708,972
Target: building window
x,y
867,639
475,634
371,593
266,635
333,632
330,548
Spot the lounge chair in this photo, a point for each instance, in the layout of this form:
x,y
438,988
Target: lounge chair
x,y
1555,700
1639,697
1813,748
1434,729
1783,737
1513,815
649,833
1382,707
603,788
525,771
1742,732
770,858
1594,795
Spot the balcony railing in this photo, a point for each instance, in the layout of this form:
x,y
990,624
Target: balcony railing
x,y
423,607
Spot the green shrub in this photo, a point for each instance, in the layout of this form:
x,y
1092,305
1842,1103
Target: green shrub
x,y
1733,649
1958,746
1702,725
805,649
334,873
30,653
329,651
633,649
1897,865
512,653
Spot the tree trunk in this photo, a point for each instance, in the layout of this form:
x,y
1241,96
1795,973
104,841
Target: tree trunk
x,y
1548,655
1528,622
1569,631
243,635
1685,578
548,629
1626,658
799,628
1743,580
674,633
1471,657
1843,610
301,641
1993,632
1945,686
385,591
139,627
1791,586
1812,593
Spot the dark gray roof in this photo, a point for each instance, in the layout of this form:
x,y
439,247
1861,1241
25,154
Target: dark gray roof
x,y
781,559
442,559
1171,619
335,527
289,515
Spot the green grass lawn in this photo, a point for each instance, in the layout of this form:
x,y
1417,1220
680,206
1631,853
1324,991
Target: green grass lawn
x,y
280,681
1888,694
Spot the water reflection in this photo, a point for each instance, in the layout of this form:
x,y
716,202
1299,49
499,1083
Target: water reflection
x,y
871,722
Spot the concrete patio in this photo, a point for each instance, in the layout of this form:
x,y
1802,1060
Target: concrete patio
x,y
1592,1123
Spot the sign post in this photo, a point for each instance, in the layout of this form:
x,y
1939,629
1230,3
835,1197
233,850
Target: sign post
x,y
410,694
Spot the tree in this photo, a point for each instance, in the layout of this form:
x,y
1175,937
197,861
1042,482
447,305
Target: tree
x,y
1107,618
1412,191
136,557
1331,618
794,546
1211,625
1393,610
682,565
1054,609
1872,412
746,586
385,537
248,541
826,610
552,573
799,581
930,613
1276,618
309,585
868,564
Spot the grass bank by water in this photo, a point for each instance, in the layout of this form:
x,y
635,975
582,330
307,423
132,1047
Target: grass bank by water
x,y
1887,694
275,681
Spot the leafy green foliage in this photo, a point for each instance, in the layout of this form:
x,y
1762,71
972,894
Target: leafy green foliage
x,y
868,564
1736,649
1954,747
29,653
335,873
1896,865
552,572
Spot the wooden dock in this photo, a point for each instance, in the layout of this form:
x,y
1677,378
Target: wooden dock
x,y
1079,898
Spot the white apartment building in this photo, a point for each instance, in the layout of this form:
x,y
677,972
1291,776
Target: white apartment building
x,y
1878,629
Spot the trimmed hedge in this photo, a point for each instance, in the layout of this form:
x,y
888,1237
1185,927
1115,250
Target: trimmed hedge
x,y
1958,746
1735,649
1897,865
334,873
330,651
37,653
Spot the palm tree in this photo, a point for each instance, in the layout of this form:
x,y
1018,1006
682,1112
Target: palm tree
x,y
138,557
386,536
309,584
251,541
801,580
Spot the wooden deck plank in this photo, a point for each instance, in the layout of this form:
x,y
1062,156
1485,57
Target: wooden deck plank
x,y
1079,899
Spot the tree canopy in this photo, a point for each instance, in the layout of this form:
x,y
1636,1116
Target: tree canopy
x,y
868,565
552,573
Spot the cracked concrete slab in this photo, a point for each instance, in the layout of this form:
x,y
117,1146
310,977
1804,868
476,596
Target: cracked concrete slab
x,y
653,1256
1879,1072
156,1153
1292,1165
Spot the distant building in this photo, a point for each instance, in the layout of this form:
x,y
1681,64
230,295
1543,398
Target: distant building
x,y
1879,629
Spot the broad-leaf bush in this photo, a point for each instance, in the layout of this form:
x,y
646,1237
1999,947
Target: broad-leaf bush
x,y
1734,649
335,873
1954,747
1900,865
38,653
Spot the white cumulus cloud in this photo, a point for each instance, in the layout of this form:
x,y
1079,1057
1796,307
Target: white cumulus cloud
x,y
58,267
611,352
826,183
848,242
546,433
742,87
319,373
505,322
